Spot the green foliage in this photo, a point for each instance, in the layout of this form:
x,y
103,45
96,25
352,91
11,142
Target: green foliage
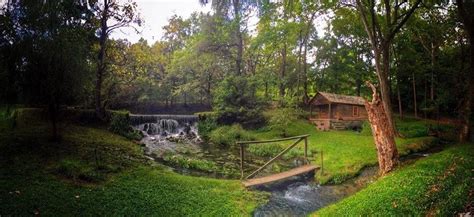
x,y
435,185
190,163
366,129
346,153
120,124
281,119
235,101
205,127
228,135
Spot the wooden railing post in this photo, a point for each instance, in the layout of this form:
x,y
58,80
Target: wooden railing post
x,y
242,151
242,161
305,150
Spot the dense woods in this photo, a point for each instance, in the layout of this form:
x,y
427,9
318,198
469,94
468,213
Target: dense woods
x,y
241,57
81,107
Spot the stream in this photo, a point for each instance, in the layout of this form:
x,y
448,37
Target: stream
x,y
297,196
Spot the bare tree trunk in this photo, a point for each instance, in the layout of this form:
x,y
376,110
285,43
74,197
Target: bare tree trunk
x,y
433,61
468,104
400,109
465,9
383,70
415,107
238,34
99,110
384,139
282,72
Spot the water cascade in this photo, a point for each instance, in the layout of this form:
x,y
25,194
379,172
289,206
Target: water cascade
x,y
164,133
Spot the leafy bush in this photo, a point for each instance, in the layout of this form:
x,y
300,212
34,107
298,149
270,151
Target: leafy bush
x,y
228,135
235,101
281,119
189,163
366,129
412,129
120,124
206,125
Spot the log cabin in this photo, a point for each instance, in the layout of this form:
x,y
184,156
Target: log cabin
x,y
335,111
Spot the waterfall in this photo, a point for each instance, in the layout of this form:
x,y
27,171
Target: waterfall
x,y
165,125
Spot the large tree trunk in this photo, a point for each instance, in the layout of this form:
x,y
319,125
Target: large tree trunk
x,y
238,34
282,72
400,109
384,138
415,107
468,104
101,62
382,68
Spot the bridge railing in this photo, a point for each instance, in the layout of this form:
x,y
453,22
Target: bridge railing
x,y
243,145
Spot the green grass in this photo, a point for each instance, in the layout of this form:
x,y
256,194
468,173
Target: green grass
x,y
93,172
437,185
345,153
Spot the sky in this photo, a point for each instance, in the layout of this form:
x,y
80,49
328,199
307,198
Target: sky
x,y
155,14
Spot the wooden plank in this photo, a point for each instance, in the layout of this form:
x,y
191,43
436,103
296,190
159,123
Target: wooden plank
x,y
280,176
273,140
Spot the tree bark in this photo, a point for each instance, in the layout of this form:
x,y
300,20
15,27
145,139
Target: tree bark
x,y
383,137
282,72
99,111
415,107
238,34
467,18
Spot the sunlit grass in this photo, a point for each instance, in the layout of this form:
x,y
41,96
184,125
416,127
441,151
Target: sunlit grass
x,y
437,185
344,153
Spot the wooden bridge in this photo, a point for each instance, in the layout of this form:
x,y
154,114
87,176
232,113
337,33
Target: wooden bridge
x,y
248,181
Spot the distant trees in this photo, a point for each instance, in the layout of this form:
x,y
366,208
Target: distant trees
x,y
111,16
270,49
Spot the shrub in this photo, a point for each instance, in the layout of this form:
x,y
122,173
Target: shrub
x,y
189,163
228,135
281,118
120,124
205,127
366,129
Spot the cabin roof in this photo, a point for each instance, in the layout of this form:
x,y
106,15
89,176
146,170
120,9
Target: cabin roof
x,y
338,98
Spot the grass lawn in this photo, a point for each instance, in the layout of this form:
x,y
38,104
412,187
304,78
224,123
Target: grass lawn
x,y
345,153
93,172
437,185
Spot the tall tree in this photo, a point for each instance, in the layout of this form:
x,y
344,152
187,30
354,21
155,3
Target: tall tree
x,y
381,27
466,15
112,15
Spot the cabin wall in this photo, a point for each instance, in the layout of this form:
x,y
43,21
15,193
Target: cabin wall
x,y
348,112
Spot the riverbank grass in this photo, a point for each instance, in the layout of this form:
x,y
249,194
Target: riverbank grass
x,y
437,185
94,172
345,153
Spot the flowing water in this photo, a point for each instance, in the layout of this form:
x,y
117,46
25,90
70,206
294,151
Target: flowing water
x,y
302,195
297,196
167,133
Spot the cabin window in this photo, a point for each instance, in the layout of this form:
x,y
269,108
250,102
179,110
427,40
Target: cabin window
x,y
355,111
